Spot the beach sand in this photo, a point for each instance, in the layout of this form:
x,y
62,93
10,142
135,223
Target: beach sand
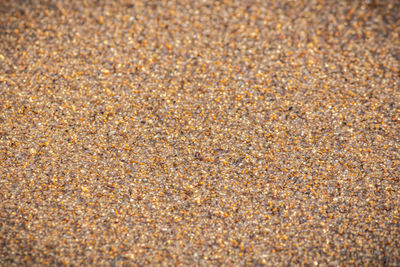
x,y
199,133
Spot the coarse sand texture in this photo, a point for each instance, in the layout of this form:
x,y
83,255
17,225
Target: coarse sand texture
x,y
200,133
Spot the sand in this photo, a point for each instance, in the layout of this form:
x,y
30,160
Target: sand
x,y
199,133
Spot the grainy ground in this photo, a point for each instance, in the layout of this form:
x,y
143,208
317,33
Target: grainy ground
x,y
199,133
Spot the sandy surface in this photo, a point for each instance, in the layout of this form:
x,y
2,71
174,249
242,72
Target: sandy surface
x,y
199,133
